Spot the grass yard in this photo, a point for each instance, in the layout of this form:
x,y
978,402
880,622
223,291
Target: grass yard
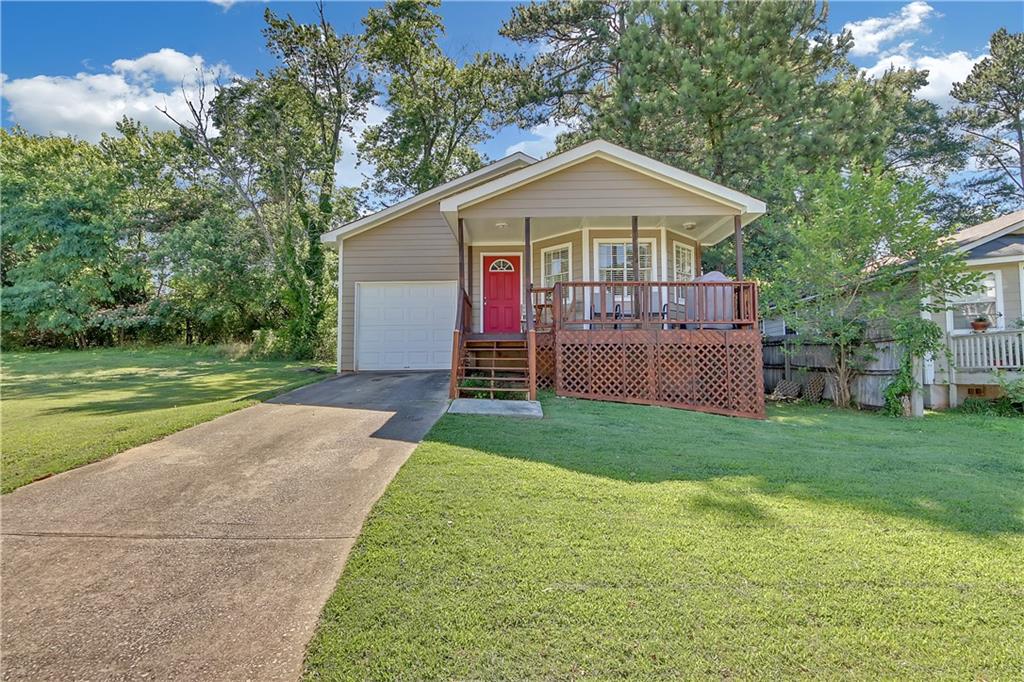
x,y
62,409
611,541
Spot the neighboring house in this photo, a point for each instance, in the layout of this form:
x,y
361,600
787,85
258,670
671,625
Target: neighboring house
x,y
547,290
996,249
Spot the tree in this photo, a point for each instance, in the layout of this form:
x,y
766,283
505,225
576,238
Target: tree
x,y
578,59
275,141
438,109
864,260
750,94
69,256
991,112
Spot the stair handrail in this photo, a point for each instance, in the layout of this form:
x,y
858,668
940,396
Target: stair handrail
x,y
463,318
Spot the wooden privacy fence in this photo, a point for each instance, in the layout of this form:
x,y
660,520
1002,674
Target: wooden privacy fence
x,y
785,358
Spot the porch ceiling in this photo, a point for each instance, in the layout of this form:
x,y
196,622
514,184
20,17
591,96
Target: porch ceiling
x,y
707,229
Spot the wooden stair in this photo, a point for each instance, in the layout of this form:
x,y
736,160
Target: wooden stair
x,y
494,368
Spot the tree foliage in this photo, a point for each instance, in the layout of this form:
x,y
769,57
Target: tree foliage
x,y
864,260
275,142
69,260
438,110
991,111
749,94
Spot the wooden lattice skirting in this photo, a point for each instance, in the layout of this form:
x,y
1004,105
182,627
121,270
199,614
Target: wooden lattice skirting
x,y
706,370
545,360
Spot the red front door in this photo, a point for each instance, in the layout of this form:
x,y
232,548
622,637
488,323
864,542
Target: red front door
x,y
501,294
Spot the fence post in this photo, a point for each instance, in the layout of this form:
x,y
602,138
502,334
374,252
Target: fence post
x,y
917,395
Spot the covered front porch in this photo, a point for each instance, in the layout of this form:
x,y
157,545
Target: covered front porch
x,y
560,288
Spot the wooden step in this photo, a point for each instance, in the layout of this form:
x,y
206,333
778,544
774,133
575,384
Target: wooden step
x,y
511,343
487,389
497,380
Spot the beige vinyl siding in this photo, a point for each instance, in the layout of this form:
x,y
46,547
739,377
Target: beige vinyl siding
x,y
674,236
475,276
1010,273
418,246
595,187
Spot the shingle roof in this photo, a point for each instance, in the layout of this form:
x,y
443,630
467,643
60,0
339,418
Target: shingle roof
x,y
967,236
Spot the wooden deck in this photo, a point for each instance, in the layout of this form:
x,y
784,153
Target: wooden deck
x,y
688,345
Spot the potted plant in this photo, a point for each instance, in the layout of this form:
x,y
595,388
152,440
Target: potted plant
x,y
980,323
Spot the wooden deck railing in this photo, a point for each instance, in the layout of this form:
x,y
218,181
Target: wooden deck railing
x,y
653,305
463,321
989,350
542,308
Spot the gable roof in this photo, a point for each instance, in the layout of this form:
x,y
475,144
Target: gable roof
x,y
976,235
749,207
507,163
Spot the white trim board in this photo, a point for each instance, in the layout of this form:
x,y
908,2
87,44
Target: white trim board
x,y
339,340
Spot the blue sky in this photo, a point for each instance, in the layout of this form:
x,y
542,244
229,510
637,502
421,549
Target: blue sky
x,y
74,68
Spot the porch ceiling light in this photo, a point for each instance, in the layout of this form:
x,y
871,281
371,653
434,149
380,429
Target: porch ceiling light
x,y
689,226
501,226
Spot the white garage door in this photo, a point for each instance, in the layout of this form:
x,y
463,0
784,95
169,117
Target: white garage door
x,y
405,325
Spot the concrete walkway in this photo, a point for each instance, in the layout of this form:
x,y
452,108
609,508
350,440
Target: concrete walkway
x,y
208,554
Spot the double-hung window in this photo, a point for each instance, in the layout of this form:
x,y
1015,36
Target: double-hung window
x,y
556,264
985,302
615,261
684,262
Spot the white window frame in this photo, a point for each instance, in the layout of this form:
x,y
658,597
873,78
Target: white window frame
x,y
693,258
596,275
501,260
1000,320
549,249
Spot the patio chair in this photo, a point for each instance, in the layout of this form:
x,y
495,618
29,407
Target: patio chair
x,y
658,310
709,305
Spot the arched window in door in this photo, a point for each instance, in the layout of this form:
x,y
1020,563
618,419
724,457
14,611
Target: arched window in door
x,y
502,265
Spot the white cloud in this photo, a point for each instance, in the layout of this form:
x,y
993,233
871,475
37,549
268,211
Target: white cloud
x,y
88,104
226,4
943,71
168,64
545,136
869,35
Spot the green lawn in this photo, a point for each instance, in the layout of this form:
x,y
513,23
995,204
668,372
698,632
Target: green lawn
x,y
612,541
62,409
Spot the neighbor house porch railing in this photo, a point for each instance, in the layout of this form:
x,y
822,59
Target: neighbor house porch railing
x,y
649,305
990,350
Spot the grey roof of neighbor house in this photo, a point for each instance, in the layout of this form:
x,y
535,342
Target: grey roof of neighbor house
x,y
973,237
1007,246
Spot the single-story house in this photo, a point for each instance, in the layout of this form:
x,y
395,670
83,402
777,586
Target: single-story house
x,y
581,272
996,249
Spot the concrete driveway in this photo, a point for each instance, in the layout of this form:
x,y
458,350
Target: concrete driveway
x,y
208,554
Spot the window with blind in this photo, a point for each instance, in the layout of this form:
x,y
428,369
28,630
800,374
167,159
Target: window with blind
x,y
615,261
555,265
684,263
